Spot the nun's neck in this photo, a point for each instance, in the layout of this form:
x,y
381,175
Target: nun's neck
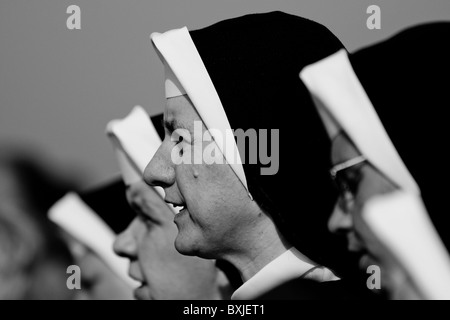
x,y
265,244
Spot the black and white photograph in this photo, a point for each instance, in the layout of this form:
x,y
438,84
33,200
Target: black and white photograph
x,y
215,152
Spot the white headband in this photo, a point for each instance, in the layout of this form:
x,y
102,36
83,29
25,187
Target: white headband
x,y
401,222
173,86
135,142
74,216
178,53
343,103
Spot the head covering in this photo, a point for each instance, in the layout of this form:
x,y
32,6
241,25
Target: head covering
x,y
415,244
390,100
404,136
95,218
242,73
406,78
135,139
343,104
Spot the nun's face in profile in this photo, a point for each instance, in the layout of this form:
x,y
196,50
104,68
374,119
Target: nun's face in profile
x,y
148,243
215,204
98,281
363,182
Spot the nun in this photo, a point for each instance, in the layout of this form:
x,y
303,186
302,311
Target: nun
x,y
384,110
265,215
90,221
148,241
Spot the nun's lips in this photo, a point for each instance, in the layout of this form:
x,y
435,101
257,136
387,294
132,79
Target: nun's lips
x,y
136,278
354,243
141,293
365,260
364,256
178,205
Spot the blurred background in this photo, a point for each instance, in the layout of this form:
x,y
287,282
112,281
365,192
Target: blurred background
x,y
60,87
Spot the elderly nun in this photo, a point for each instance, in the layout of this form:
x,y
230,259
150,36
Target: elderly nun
x,y
259,202
384,109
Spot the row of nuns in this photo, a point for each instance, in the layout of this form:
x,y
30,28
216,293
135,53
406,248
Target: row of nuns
x,y
356,208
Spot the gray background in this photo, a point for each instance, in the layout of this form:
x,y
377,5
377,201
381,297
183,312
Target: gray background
x,y
60,87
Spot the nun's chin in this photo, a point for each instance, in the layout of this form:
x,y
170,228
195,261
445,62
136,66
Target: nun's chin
x,y
184,240
142,293
183,247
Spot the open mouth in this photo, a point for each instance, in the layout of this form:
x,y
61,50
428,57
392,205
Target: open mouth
x,y
137,279
177,207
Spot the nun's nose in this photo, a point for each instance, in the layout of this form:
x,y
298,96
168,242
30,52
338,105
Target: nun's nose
x,y
340,222
125,244
160,171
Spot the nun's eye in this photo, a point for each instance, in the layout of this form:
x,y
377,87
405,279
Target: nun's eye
x,y
353,179
180,139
